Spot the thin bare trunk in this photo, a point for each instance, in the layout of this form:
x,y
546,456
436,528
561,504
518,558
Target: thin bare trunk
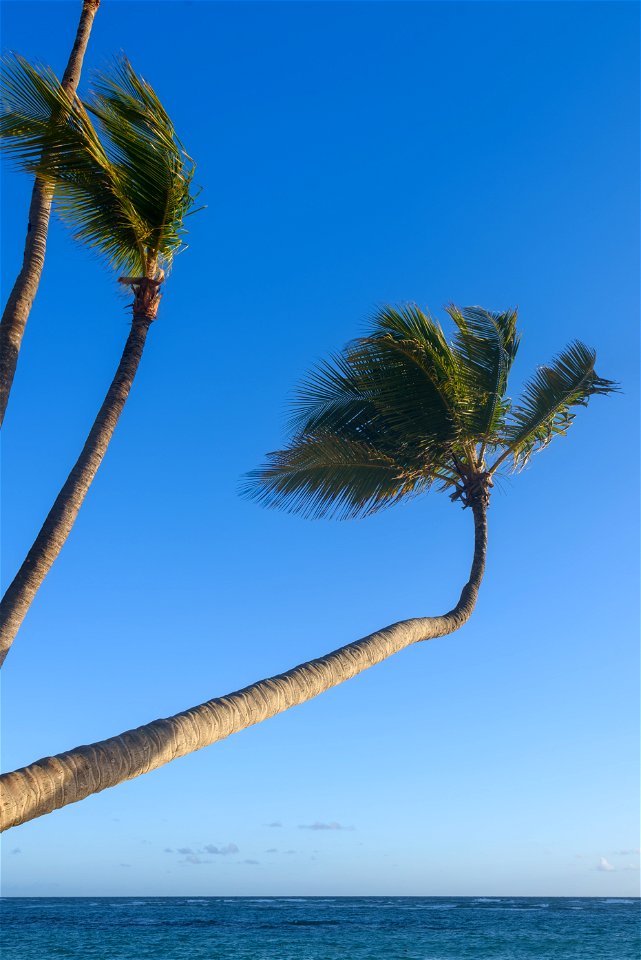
x,y
16,312
56,781
63,513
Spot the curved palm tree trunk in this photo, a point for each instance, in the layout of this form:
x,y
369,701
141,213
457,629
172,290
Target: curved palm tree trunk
x,y
63,513
16,312
56,781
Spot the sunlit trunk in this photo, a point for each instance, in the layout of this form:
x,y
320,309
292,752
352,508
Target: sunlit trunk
x,y
16,312
56,781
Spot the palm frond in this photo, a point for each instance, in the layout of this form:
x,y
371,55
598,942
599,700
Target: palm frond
x,y
545,408
31,98
323,475
47,134
410,372
486,344
142,142
369,428
335,399
331,398
126,193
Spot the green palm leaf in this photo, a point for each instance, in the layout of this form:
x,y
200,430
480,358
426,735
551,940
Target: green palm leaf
x,y
332,398
545,409
125,187
375,424
324,475
153,165
411,373
337,399
35,111
486,344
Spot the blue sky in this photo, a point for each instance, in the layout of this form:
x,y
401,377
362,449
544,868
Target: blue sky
x,y
349,155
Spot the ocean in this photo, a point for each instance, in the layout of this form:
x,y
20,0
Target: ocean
x,y
320,928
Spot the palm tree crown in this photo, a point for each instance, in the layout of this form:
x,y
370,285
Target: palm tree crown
x,y
122,179
401,409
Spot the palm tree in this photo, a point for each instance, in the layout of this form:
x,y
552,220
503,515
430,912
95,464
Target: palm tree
x,y
399,411
18,307
125,187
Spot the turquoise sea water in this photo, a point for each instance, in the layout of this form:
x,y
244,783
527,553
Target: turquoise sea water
x,y
320,928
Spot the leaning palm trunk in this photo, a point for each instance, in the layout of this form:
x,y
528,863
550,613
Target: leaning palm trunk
x,y
125,187
56,781
62,515
18,308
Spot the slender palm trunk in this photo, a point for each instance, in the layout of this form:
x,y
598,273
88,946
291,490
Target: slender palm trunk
x,y
63,513
56,781
16,312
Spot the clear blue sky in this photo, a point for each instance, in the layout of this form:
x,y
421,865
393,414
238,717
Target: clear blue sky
x,y
350,155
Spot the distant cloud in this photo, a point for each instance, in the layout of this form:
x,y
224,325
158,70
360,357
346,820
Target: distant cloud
x,y
605,865
184,850
271,850
627,853
252,863
275,823
290,851
125,864
168,850
192,858
223,851
323,826
16,850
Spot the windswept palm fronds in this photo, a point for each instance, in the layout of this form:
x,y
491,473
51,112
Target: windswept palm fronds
x,y
121,176
403,408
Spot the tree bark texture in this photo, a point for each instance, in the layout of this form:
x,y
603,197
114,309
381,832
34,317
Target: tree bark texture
x,y
56,781
64,511
18,308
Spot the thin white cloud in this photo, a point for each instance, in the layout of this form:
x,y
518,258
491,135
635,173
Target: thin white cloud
x,y
222,851
319,825
605,865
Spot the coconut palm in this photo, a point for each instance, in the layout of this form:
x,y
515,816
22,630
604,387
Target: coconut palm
x,y
122,180
399,411
18,306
